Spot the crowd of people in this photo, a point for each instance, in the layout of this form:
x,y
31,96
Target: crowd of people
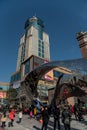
x,y
61,113
7,116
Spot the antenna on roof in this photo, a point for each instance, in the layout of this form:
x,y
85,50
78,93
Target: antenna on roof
x,y
34,15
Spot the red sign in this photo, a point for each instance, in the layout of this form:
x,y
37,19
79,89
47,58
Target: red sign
x,y
2,94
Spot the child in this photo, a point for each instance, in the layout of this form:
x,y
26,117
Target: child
x,y
20,116
3,120
11,117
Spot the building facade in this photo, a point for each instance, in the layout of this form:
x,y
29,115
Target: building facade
x,y
34,50
34,41
82,39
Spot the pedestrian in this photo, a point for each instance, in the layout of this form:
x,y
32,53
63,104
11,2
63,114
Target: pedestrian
x,y
19,116
31,112
45,117
35,112
76,111
56,114
11,117
3,120
66,118
80,116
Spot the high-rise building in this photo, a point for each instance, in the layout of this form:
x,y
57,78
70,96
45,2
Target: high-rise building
x,y
34,41
34,50
82,39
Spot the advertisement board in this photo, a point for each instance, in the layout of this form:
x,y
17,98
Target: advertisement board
x,y
2,94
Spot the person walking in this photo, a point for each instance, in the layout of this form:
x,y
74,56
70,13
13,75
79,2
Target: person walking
x,y
66,118
56,114
80,116
31,112
76,111
20,116
35,112
3,120
11,117
45,117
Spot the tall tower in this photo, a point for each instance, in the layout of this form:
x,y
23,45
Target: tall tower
x,y
82,38
34,41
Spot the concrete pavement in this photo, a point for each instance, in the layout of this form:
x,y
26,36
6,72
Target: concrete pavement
x,y
32,124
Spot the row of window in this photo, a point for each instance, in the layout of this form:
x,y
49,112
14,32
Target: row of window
x,y
16,77
23,53
41,54
41,48
41,45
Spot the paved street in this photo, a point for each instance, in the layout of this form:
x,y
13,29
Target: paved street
x,y
32,124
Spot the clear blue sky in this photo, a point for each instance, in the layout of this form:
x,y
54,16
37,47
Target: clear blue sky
x,y
62,20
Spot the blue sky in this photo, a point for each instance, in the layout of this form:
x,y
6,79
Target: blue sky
x,y
63,19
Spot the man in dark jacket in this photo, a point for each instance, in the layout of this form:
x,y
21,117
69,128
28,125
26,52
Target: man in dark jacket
x,y
45,117
66,117
56,114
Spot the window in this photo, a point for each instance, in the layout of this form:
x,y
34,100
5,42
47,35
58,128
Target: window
x,y
41,48
27,67
16,77
39,54
42,55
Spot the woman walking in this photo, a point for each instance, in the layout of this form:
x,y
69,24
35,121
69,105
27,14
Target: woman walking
x,y
3,120
11,117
